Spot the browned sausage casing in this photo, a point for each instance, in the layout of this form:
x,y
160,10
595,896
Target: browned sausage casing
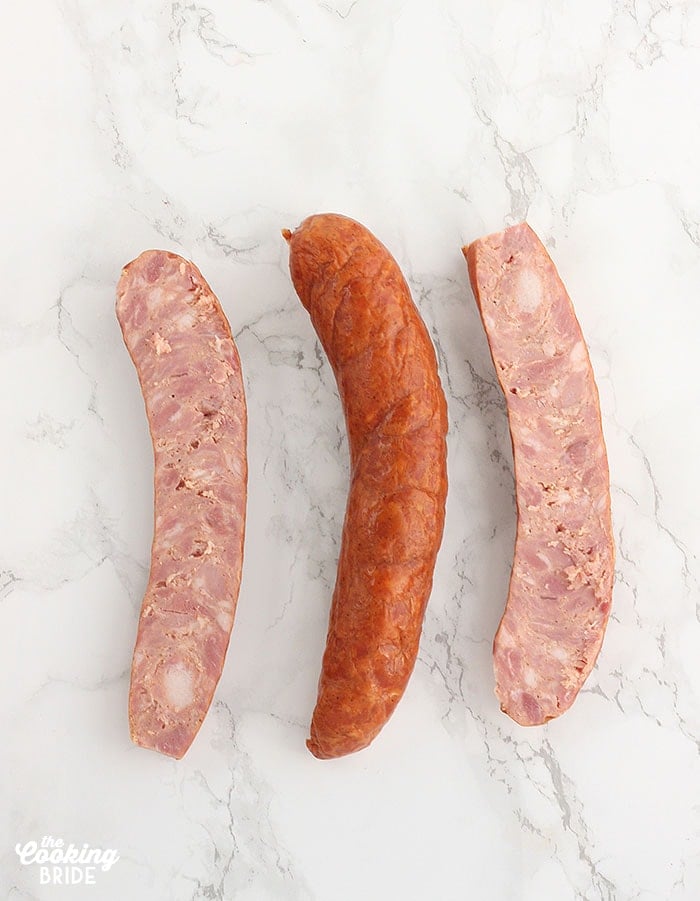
x,y
396,417
561,584
190,375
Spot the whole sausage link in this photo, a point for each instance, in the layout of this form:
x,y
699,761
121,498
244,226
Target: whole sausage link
x,y
396,418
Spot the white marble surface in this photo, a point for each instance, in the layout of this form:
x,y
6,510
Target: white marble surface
x,y
206,129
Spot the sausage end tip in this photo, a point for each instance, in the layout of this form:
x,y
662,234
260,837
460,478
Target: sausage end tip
x,y
286,234
313,748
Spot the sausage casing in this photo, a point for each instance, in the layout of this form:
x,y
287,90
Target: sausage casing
x,y
396,418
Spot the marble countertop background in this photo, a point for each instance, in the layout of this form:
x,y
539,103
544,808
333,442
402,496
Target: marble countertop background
x,y
205,130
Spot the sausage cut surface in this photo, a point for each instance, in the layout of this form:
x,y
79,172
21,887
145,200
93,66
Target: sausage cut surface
x,y
190,376
561,583
396,418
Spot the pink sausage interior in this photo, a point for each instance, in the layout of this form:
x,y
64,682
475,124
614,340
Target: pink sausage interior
x,y
190,375
561,583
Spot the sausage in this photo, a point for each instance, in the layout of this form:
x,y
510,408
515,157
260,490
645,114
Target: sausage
x,y
396,417
560,589
190,375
